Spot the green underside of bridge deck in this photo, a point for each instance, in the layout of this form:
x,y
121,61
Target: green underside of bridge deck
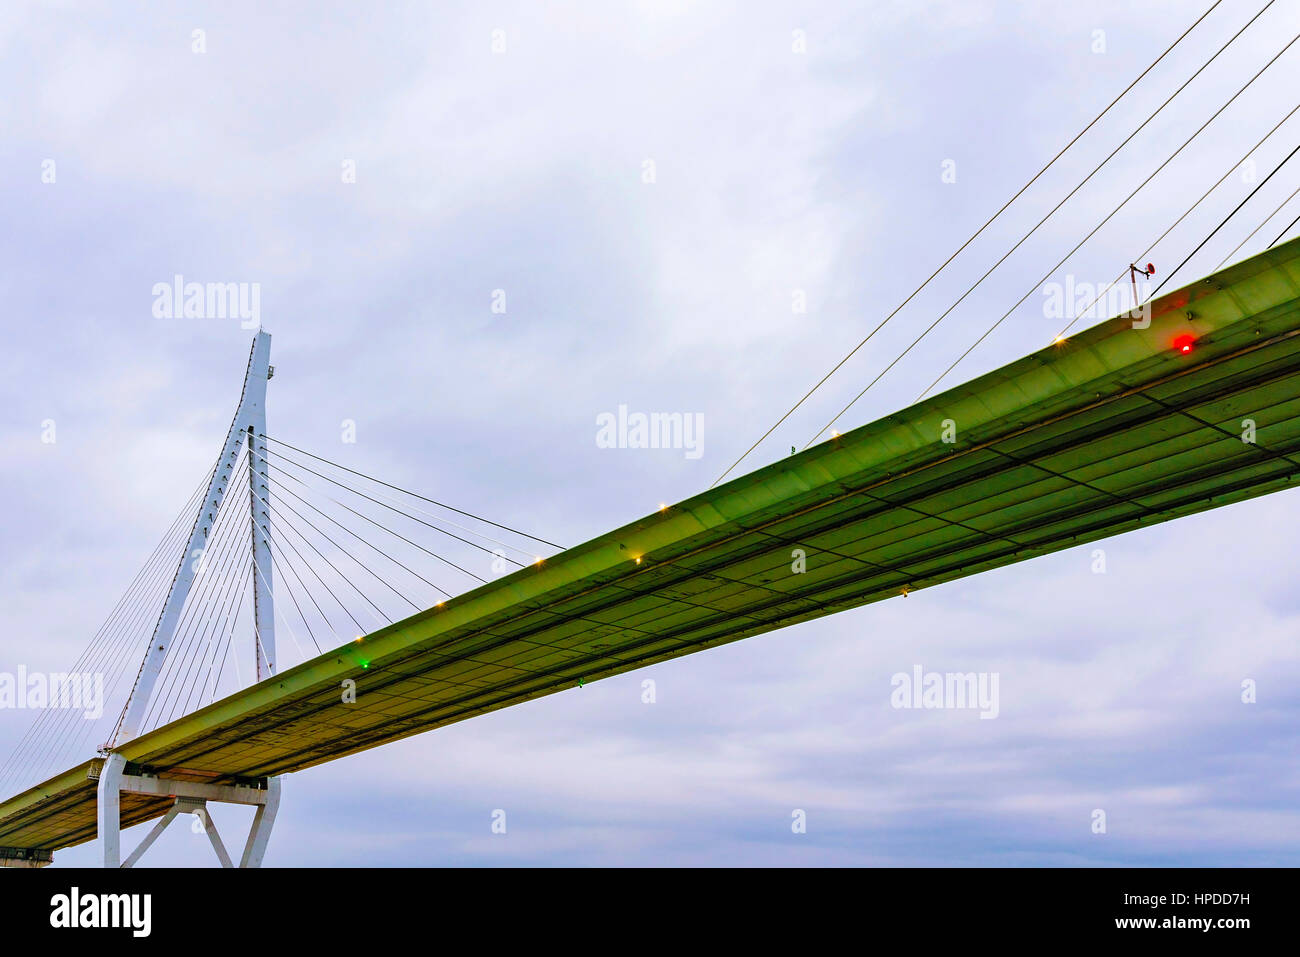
x,y
1114,430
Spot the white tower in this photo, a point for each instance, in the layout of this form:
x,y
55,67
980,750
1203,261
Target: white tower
x,y
248,427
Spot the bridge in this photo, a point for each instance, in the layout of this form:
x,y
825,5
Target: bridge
x,y
1129,423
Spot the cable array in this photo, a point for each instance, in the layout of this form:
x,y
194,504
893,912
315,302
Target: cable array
x,y
1052,211
51,738
348,553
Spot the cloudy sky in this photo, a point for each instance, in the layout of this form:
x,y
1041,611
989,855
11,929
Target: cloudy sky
x,y
834,152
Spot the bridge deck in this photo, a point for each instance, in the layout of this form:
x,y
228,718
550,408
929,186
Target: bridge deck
x,y
1114,430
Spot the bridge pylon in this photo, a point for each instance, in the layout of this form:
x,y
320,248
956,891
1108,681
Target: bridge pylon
x,y
116,775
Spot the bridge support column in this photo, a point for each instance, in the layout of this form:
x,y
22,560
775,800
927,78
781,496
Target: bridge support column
x,y
109,810
249,425
190,797
263,820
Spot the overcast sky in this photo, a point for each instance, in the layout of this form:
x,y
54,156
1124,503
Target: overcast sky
x,y
796,150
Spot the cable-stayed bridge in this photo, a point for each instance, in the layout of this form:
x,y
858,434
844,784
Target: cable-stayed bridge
x,y
1132,422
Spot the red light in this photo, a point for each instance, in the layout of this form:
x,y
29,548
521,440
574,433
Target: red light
x,y
1184,343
